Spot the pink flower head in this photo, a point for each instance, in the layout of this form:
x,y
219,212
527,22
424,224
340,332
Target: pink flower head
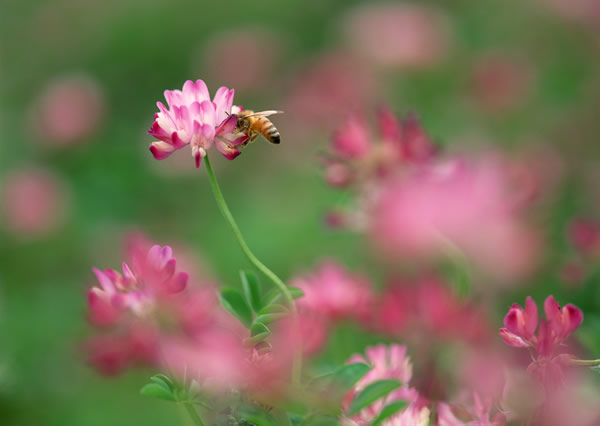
x,y
193,119
333,292
520,325
408,137
152,275
351,140
387,362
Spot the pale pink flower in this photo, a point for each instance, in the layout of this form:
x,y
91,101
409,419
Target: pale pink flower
x,y
151,276
442,207
334,292
387,362
194,119
34,202
68,110
398,35
477,415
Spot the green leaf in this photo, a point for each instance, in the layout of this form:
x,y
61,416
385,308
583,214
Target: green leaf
x,y
349,374
320,420
268,318
274,308
371,393
161,379
234,302
258,328
251,288
256,415
252,340
389,410
155,390
276,296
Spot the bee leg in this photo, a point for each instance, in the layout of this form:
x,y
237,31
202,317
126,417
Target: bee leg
x,y
247,141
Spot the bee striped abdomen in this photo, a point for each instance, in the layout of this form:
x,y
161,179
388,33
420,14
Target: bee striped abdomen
x,y
269,131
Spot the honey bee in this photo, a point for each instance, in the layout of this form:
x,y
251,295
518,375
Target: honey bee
x,y
256,123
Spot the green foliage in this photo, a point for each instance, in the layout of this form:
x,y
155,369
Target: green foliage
x,y
388,411
161,388
371,393
236,304
275,296
251,287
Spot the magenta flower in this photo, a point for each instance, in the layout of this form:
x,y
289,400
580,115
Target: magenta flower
x,y
387,362
193,119
151,276
520,325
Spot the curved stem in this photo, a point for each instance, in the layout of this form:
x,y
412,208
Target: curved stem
x,y
193,414
297,363
238,234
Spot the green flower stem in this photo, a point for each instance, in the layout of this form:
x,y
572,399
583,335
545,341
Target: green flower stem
x,y
585,362
193,414
297,367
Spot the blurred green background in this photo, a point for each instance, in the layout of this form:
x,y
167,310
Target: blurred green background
x,y
129,52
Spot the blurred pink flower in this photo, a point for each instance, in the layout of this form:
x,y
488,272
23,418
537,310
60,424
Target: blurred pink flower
x,y
193,119
242,58
398,35
326,89
358,155
387,362
426,307
450,205
586,11
217,360
34,202
151,276
584,236
500,82
69,109
573,273
112,354
333,292
477,415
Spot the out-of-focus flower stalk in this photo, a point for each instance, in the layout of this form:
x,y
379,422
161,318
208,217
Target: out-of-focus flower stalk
x,y
585,362
193,414
297,365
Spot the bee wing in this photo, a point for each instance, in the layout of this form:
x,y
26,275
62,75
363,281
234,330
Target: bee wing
x,y
263,113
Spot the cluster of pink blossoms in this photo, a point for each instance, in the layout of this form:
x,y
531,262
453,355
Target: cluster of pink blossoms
x,y
147,304
194,119
415,203
519,331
